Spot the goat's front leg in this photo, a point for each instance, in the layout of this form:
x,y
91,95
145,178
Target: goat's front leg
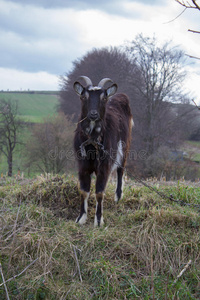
x,y
101,182
85,180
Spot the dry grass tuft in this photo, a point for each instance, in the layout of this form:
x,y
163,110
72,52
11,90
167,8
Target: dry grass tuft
x,y
139,254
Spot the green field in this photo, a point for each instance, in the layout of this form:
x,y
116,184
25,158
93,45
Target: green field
x,y
33,106
192,148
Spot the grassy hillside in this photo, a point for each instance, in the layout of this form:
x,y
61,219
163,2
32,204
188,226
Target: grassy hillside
x,y
33,106
139,253
192,148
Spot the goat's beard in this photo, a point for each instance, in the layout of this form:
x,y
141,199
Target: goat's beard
x,y
92,128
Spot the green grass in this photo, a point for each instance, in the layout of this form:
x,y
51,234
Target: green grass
x,y
33,107
19,156
145,243
194,143
193,150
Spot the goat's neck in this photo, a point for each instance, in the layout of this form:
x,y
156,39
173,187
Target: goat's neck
x,y
92,129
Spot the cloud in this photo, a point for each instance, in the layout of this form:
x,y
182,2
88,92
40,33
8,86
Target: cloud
x,y
41,40
45,36
12,79
81,4
37,39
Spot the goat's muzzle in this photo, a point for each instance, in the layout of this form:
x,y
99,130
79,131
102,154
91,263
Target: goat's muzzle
x,y
93,115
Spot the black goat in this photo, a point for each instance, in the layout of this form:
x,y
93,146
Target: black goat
x,y
101,141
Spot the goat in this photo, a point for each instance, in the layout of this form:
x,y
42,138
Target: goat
x,y
101,141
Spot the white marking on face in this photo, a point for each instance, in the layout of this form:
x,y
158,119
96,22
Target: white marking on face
x,y
94,88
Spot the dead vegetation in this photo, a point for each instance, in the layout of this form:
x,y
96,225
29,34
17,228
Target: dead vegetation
x,y
139,254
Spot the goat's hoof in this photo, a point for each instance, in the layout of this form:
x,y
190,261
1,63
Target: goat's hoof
x,y
82,219
117,197
98,223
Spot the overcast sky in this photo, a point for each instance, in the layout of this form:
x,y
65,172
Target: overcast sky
x,y
39,39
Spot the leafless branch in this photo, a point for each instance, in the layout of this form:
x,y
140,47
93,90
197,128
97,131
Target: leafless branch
x,y
176,16
166,289
14,231
194,31
191,56
196,5
15,276
195,104
4,283
188,5
181,273
78,266
152,270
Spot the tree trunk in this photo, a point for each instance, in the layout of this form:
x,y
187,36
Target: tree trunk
x,y
10,164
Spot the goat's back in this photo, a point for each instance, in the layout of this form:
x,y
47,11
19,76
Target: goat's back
x,y
120,104
119,117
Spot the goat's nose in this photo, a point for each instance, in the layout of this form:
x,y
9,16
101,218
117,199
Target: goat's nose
x,y
93,115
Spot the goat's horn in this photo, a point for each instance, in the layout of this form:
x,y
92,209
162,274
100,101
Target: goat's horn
x,y
104,81
87,80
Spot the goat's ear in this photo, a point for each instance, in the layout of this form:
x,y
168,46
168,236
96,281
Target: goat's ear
x,y
78,88
111,90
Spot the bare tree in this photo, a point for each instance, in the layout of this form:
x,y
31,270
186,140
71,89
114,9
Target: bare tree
x,y
162,76
152,76
50,147
10,126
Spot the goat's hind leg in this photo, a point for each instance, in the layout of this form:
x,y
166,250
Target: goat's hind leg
x,y
85,180
119,189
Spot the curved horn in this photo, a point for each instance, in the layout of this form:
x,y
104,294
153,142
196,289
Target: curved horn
x,y
87,80
104,81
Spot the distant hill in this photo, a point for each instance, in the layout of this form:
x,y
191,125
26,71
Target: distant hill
x,y
34,106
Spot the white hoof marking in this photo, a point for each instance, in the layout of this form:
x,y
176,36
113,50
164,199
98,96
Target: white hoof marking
x,y
82,220
96,222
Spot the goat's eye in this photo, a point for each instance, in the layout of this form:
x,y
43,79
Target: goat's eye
x,y
84,98
103,98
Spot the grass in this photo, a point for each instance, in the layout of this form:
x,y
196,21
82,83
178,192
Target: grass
x,y
193,150
19,155
145,243
33,107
